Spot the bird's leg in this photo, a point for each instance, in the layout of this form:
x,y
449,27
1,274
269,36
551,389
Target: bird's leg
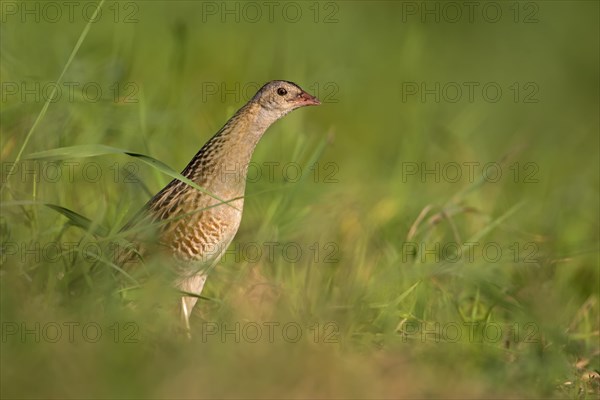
x,y
185,313
192,285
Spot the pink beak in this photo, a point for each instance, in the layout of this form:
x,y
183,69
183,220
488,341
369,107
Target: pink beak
x,y
308,100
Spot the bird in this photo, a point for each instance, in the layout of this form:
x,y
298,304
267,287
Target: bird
x,y
192,227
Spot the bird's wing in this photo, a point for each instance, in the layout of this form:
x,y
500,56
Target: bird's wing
x,y
150,222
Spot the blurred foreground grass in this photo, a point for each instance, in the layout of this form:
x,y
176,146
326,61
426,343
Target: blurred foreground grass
x,y
408,238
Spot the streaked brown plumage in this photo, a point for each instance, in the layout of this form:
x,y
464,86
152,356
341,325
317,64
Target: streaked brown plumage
x,y
194,228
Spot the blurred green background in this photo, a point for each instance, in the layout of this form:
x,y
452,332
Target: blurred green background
x,y
441,239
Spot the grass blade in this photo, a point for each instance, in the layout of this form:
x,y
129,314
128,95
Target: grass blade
x,y
79,220
93,150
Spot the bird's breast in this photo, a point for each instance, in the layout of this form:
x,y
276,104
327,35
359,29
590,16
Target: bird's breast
x,y
203,236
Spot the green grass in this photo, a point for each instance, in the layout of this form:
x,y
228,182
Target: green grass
x,y
407,285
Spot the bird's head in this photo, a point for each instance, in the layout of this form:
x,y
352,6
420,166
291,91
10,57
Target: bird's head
x,y
281,97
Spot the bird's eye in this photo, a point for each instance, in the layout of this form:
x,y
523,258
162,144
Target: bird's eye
x,y
281,91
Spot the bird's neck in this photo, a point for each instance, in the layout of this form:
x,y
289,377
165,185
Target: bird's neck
x,y
247,126
221,165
